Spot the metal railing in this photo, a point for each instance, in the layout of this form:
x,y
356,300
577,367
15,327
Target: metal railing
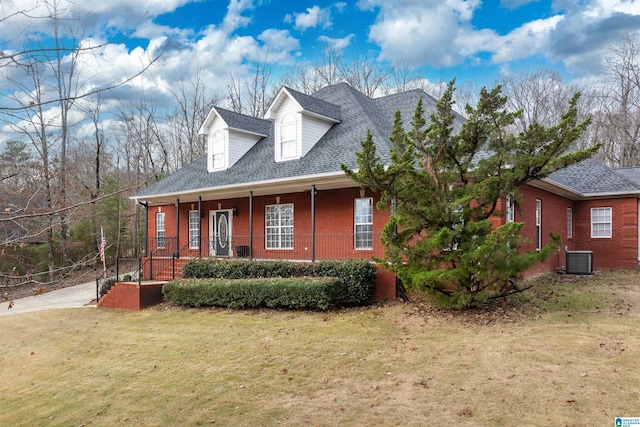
x,y
299,247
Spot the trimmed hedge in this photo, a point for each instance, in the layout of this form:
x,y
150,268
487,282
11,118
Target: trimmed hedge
x,y
358,276
319,293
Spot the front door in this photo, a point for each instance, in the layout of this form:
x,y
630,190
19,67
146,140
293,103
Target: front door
x,y
220,226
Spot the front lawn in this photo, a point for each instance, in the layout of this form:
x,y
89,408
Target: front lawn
x,y
565,354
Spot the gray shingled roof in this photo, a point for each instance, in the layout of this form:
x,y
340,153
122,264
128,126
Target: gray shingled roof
x,y
338,146
591,177
316,105
632,174
244,122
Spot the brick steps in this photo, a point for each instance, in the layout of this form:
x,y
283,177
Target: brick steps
x,y
131,296
166,272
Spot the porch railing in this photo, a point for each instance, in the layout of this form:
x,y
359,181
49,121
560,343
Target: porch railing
x,y
259,247
302,247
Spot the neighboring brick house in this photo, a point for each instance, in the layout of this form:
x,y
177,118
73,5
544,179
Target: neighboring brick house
x,y
273,188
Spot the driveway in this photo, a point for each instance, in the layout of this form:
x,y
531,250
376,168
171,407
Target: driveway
x,y
71,297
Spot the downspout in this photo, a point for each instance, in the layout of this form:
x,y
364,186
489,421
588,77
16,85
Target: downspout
x,y
313,223
250,224
200,227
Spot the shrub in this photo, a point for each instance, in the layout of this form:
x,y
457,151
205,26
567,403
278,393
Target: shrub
x,y
284,293
358,276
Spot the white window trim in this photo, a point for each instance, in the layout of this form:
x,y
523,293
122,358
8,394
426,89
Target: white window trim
x,y
194,241
278,227
569,223
290,119
210,153
356,224
510,211
609,222
538,224
160,230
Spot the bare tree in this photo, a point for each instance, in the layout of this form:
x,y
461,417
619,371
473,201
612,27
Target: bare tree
x,y
366,75
45,88
620,107
253,95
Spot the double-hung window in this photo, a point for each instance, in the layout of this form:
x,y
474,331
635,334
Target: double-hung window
x,y
194,230
510,209
600,222
538,224
217,147
364,223
160,230
287,143
279,226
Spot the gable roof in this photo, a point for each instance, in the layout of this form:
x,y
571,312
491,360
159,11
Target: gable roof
x,y
309,104
237,121
339,145
592,178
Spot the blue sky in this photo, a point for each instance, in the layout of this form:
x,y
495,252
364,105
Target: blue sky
x,y
472,40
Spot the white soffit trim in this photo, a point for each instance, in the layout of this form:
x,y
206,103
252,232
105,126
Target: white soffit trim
x,y
208,120
325,181
565,191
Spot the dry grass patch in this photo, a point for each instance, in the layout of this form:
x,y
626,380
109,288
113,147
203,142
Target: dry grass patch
x,y
565,354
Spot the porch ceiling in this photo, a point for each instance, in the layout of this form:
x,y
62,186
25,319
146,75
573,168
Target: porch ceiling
x,y
330,181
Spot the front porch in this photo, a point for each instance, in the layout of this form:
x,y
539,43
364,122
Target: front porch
x,y
164,259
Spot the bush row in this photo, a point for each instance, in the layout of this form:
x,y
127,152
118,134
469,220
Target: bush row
x,y
358,276
320,293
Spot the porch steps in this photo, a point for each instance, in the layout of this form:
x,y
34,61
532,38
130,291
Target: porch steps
x,y
165,274
131,296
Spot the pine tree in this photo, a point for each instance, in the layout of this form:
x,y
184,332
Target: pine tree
x,y
445,186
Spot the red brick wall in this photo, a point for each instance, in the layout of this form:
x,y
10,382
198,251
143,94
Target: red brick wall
x,y
334,227
334,224
619,251
385,285
553,220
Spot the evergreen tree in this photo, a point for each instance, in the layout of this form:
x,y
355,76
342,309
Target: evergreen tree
x,y
445,186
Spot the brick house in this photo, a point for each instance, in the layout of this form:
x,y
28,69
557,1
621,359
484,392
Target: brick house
x,y
273,188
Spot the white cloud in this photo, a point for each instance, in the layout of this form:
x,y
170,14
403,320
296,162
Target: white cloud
x,y
314,17
514,4
234,18
420,30
338,44
87,15
441,33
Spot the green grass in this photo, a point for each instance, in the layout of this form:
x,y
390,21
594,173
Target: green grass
x,y
564,354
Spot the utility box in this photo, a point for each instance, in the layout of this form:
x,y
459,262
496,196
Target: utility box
x,y
579,262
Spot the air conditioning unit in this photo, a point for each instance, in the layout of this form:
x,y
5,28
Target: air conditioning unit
x,y
579,262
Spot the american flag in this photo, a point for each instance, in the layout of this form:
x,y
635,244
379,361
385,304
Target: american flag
x,y
103,244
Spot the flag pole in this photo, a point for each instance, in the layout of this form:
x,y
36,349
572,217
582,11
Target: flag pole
x,y
103,246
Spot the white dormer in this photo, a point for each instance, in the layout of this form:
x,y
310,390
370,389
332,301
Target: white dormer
x,y
299,122
229,136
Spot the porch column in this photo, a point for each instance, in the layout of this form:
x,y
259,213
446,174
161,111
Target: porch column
x,y
313,223
146,226
199,226
250,224
175,250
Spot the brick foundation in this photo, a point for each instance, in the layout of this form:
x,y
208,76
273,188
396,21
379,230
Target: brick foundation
x,y
131,296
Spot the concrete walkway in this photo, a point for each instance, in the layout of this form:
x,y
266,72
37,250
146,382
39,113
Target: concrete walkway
x,y
69,297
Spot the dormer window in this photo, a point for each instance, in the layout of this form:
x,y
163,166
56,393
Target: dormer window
x,y
299,122
287,142
217,152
